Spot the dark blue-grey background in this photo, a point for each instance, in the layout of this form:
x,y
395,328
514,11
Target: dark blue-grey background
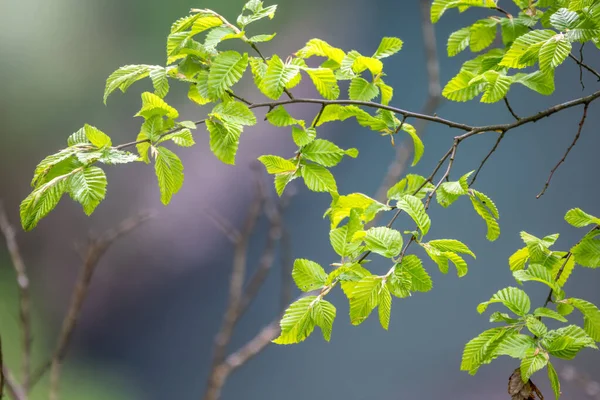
x,y
159,294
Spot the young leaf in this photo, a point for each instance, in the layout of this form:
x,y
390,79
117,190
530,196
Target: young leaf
x,y
308,275
342,206
96,136
578,218
280,117
458,41
384,241
539,81
364,297
483,33
538,273
535,326
415,185
587,252
234,112
535,359
451,245
318,178
548,313
461,89
362,63
488,213
362,90
417,142
524,50
169,172
421,281
323,314
226,70
554,52
388,47
88,187
449,192
323,152
518,260
325,82
516,346
183,138
416,210
276,77
160,81
478,349
591,317
302,137
566,342
297,323
385,307
554,381
514,299
224,140
125,77
152,105
318,47
276,164
42,200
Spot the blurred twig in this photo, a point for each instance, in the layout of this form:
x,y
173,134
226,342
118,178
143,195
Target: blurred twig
x,y
97,246
24,295
434,99
240,298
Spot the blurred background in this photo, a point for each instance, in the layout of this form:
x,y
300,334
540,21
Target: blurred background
x,y
158,296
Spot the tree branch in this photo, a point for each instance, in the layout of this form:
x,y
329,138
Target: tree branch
x,y
24,295
489,154
96,249
562,160
510,109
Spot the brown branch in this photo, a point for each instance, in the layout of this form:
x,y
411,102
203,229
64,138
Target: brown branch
x,y
434,99
489,154
14,389
564,157
97,247
24,295
510,109
580,66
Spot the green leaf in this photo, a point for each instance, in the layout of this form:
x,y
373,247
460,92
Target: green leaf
x,y
341,207
554,52
277,165
566,342
323,313
518,260
417,143
388,47
587,252
364,297
169,172
591,317
563,19
325,82
483,33
451,245
308,275
489,213
461,89
439,7
318,178
497,316
535,359
297,322
384,241
554,381
416,210
516,346
362,90
536,326
51,163
414,185
458,41
219,34
277,76
261,38
183,138
234,112
412,265
224,140
341,238
385,307
539,81
258,68
125,77
578,218
320,48
302,137
449,192
280,117
160,81
524,50
152,105
362,63
514,299
548,313
323,152
258,13
497,87
478,349
226,70
96,136
88,187
43,199
387,92
537,273
512,28
282,180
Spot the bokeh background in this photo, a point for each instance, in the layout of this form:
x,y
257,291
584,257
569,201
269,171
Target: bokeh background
x,y
159,294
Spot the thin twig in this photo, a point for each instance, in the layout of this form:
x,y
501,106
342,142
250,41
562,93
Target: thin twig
x,y
564,157
510,109
96,249
24,295
580,66
489,154
13,388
